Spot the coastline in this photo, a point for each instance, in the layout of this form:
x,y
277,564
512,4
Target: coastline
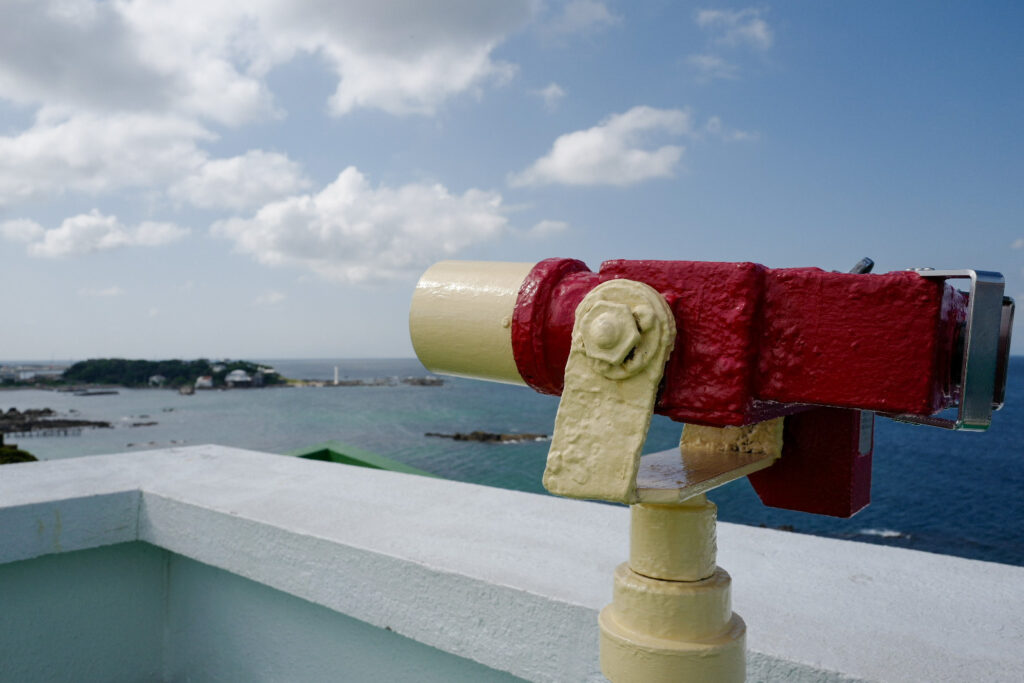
x,y
915,468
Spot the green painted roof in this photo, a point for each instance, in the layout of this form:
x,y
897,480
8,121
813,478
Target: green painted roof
x,y
336,451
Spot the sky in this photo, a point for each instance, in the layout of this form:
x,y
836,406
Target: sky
x,y
268,179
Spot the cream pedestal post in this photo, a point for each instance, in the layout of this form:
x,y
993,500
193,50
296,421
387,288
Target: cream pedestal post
x,y
671,615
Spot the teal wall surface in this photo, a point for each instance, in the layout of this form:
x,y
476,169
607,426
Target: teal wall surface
x,y
223,627
90,615
135,612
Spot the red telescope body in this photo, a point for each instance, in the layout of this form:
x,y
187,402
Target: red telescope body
x,y
825,349
754,343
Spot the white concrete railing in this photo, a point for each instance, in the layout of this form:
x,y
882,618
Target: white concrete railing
x,y
510,580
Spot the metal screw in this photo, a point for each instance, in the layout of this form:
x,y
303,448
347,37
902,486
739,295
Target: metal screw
x,y
609,332
606,331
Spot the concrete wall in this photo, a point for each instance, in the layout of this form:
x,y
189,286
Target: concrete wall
x,y
268,550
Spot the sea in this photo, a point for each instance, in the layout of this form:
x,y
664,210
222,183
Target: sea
x,y
934,490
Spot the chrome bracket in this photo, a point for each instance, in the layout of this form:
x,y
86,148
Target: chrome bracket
x,y
986,351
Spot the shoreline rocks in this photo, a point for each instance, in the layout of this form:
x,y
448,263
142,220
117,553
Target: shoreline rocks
x,y
39,419
489,437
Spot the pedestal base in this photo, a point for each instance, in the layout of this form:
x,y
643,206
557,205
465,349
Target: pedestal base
x,y
631,657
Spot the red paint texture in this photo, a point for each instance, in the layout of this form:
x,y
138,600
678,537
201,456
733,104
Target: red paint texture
x,y
543,319
755,342
822,470
864,341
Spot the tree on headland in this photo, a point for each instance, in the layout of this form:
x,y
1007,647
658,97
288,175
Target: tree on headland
x,y
136,373
11,454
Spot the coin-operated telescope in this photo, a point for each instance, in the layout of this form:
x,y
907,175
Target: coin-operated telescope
x,y
777,373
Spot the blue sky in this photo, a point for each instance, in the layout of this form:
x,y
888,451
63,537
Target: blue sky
x,y
268,179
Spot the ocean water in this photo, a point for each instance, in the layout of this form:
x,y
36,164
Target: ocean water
x,y
947,492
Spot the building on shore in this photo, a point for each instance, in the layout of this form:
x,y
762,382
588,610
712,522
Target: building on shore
x,y
238,378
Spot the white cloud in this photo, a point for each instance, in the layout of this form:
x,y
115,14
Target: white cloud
x,y
546,228
715,127
269,298
241,182
126,93
21,230
737,27
89,232
552,95
402,56
94,153
581,16
745,28
57,53
711,67
1018,243
610,152
210,59
411,86
142,55
103,292
353,232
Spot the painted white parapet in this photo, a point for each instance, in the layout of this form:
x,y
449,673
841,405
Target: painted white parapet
x,y
513,581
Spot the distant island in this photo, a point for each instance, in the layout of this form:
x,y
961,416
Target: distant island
x,y
169,373
96,376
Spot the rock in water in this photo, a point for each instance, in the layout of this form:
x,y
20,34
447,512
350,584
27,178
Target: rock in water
x,y
489,436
